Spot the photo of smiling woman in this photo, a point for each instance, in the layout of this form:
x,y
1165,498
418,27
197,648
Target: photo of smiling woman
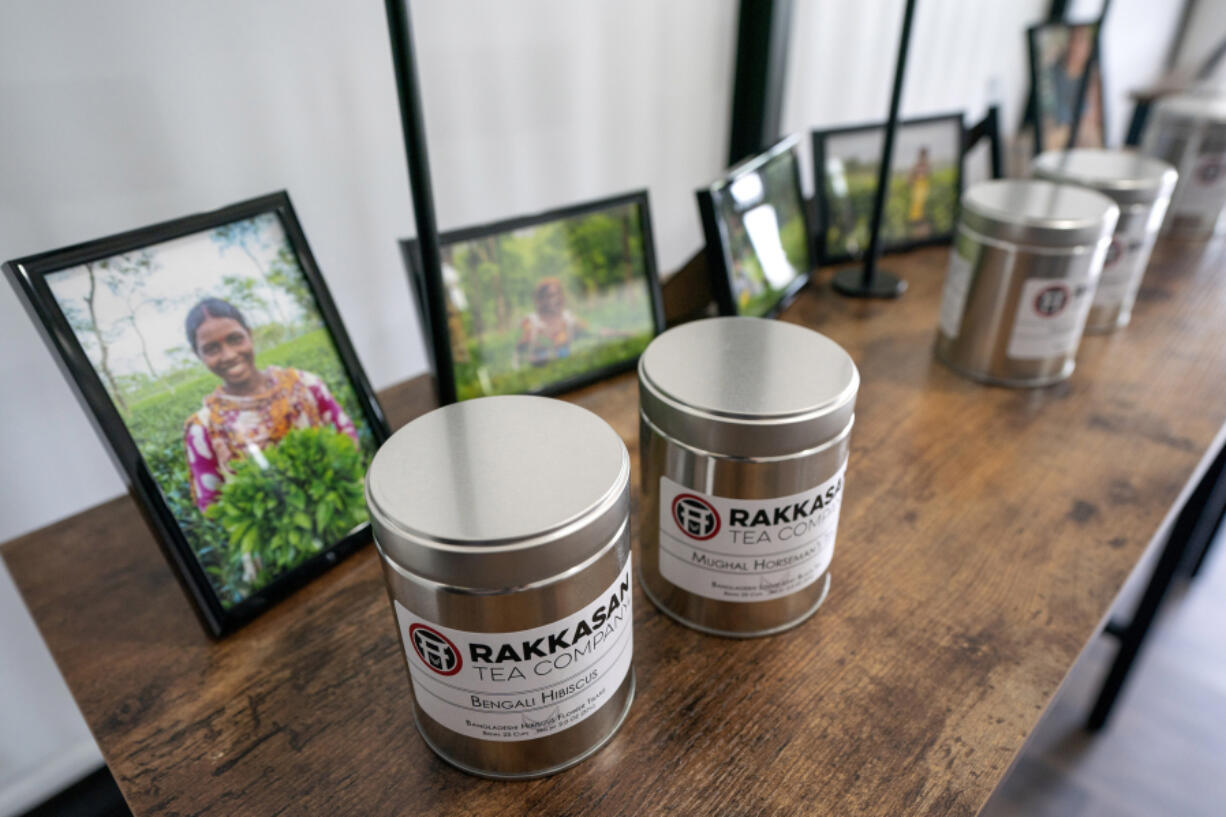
x,y
215,355
251,408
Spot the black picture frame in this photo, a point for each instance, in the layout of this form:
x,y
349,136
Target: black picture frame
x,y
820,137
28,276
1093,67
987,128
428,310
719,256
410,254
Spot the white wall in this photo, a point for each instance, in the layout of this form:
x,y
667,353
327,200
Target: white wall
x,y
1206,28
532,105
118,114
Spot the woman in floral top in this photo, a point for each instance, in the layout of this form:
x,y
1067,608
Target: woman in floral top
x,y
252,408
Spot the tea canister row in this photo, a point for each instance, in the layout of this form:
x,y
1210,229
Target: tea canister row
x,y
503,530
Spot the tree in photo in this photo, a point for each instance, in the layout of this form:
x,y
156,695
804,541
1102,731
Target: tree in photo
x,y
247,237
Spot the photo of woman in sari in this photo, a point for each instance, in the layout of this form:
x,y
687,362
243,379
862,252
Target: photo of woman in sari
x,y
225,374
251,408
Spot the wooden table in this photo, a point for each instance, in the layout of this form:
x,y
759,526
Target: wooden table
x,y
984,535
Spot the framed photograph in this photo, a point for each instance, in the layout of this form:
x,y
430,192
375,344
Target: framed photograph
x,y
921,207
212,360
759,240
1066,85
545,303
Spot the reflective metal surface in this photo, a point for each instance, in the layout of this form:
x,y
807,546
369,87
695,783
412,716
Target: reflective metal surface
x,y
1142,187
1189,131
745,479
498,491
501,515
999,270
1124,176
1041,213
747,387
747,409
508,611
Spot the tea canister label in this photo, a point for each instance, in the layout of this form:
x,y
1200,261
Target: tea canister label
x,y
525,684
1051,314
1124,264
747,549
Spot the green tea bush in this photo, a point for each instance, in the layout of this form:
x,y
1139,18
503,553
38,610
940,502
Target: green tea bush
x,y
307,498
848,229
156,415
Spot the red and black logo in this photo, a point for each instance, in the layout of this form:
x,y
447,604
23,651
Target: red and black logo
x,y
1052,300
696,517
1114,251
434,649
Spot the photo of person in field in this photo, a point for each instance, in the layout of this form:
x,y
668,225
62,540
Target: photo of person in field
x,y
548,332
539,305
922,203
215,355
251,408
919,185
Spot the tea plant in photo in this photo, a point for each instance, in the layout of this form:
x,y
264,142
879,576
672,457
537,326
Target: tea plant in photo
x,y
295,499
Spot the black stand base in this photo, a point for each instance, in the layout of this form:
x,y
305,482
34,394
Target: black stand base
x,y
851,283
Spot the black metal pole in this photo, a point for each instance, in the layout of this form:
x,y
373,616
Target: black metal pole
x,y
763,35
995,143
413,124
874,283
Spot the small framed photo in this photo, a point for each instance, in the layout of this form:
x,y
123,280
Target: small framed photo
x,y
544,303
759,241
212,360
1066,85
925,185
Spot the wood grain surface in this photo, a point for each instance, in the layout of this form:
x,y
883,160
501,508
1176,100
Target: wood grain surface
x,y
984,534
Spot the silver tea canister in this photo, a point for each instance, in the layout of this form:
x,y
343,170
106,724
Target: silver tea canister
x,y
1141,187
745,428
1026,259
1189,131
503,527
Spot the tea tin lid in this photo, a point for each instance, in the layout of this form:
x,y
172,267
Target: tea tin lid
x,y
1203,103
499,492
1041,213
1127,177
747,387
